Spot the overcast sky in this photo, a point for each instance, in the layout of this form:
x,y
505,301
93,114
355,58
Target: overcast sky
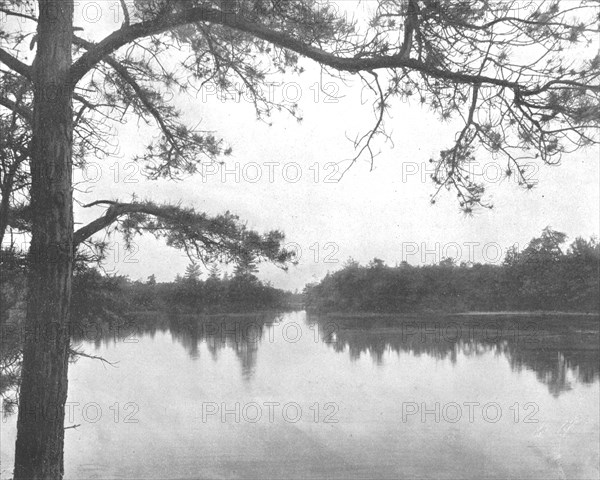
x,y
383,213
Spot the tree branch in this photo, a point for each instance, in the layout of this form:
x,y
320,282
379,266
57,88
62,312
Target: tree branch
x,y
15,64
126,76
409,28
125,12
17,108
18,14
78,353
221,237
166,22
115,211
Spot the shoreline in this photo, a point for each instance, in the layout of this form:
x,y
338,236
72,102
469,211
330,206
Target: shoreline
x,y
533,313
211,314
537,313
410,315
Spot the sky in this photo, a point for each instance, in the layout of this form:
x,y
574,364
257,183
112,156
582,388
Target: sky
x,y
283,176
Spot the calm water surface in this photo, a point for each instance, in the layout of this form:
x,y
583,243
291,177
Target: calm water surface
x,y
294,396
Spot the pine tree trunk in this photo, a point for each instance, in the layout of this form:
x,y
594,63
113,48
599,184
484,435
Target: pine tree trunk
x,y
43,393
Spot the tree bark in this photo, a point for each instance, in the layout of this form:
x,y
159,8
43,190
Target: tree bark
x,y
43,393
4,205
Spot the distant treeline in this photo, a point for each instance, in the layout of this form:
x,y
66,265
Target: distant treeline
x,y
187,294
544,276
96,296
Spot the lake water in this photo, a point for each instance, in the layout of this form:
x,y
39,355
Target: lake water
x,y
295,396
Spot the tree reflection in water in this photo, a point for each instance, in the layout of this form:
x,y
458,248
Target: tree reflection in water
x,y
241,333
558,349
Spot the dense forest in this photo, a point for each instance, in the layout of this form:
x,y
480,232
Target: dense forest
x,y
544,276
99,296
240,292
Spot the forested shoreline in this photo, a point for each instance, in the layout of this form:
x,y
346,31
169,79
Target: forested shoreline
x,y
97,296
186,294
545,276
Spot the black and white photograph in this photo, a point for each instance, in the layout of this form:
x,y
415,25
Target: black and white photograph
x,y
299,239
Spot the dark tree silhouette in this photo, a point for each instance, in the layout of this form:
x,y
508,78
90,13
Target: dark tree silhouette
x,y
544,276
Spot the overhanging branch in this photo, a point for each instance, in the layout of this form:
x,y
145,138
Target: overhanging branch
x,y
128,78
221,237
114,211
15,64
165,22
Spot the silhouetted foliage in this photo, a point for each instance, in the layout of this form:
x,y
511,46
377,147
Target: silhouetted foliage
x,y
542,277
239,293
